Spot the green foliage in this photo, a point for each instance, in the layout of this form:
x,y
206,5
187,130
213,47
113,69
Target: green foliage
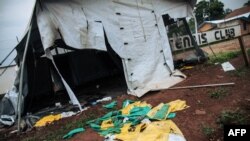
x,y
247,3
233,117
206,10
191,25
174,29
241,72
208,131
227,11
223,57
201,10
218,93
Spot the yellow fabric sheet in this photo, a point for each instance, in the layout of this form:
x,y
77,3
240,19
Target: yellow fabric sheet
x,y
107,124
177,105
126,110
174,106
47,120
154,131
153,111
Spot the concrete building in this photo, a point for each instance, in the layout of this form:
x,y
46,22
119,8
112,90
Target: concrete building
x,y
239,16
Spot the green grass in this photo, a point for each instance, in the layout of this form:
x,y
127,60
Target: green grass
x,y
218,93
59,133
233,117
241,72
208,131
223,57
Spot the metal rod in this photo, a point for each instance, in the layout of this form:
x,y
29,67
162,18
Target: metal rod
x,y
7,56
19,102
196,27
7,67
211,49
201,86
198,50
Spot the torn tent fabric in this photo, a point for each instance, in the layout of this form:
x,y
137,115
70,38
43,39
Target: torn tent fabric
x,y
47,120
131,123
177,105
154,131
126,110
73,132
110,105
134,29
163,111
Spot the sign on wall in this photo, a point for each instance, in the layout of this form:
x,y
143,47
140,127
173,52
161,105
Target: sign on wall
x,y
184,42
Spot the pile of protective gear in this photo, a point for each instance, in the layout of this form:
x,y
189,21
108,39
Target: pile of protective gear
x,y
139,121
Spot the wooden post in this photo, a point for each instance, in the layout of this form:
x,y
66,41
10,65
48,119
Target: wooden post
x,y
244,52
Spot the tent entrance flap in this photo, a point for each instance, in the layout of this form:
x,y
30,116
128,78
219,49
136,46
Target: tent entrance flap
x,y
71,94
135,31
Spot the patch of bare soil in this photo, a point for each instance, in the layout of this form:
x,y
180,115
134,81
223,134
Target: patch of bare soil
x,y
203,109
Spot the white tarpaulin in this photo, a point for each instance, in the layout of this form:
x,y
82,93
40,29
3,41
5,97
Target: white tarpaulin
x,y
134,29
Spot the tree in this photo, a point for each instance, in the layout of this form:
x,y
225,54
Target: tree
x,y
206,10
191,25
227,11
201,9
247,3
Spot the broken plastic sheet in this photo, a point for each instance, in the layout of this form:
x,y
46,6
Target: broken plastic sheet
x,y
71,94
8,108
227,66
135,31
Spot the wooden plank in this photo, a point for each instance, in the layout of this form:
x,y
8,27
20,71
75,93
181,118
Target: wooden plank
x,y
244,52
202,86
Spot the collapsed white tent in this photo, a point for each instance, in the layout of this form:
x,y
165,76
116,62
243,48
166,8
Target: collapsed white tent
x,y
134,29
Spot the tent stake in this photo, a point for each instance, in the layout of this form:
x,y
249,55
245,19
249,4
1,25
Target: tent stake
x,y
201,86
19,102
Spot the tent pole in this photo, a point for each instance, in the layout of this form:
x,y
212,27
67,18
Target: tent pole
x,y
198,50
19,102
196,27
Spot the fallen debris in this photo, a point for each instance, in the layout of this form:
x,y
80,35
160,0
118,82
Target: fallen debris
x,y
186,68
227,66
200,112
67,114
110,105
47,120
201,86
104,99
73,132
139,121
51,118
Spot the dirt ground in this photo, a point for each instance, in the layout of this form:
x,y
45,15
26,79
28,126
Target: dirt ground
x,y
225,46
190,121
